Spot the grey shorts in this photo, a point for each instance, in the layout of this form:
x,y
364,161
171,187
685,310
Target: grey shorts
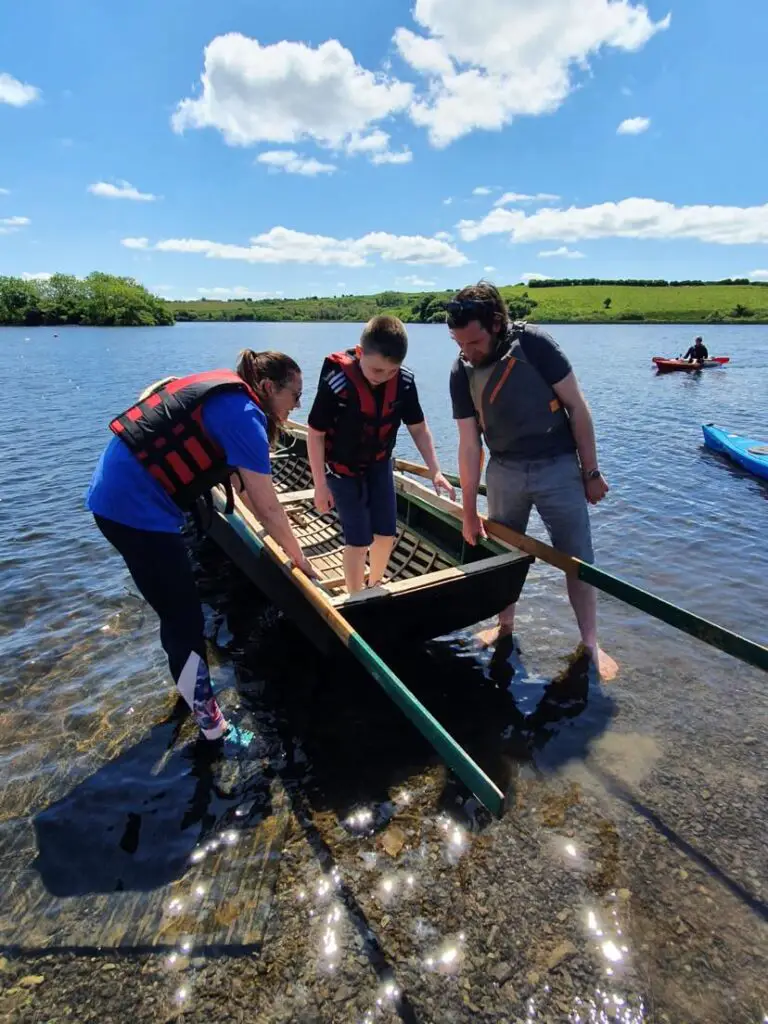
x,y
554,487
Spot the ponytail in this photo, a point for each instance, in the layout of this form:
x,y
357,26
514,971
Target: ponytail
x,y
257,367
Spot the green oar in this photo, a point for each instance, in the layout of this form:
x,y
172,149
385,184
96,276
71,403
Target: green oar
x,y
470,773
709,632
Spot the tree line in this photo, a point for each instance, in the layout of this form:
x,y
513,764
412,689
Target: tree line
x,y
566,282
99,300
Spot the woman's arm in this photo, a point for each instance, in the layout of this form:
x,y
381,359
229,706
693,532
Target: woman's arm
x,y
262,501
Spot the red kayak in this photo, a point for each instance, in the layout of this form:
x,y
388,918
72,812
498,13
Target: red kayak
x,y
668,365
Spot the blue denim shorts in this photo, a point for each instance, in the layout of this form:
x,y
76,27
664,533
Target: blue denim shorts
x,y
366,504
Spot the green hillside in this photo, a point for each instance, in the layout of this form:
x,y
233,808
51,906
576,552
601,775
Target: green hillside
x,y
582,303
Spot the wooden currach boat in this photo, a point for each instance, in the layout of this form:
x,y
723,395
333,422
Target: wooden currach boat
x,y
434,583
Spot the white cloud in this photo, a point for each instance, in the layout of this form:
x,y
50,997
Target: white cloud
x,y
5,191
291,162
481,190
522,197
403,157
446,236
375,142
413,281
634,126
626,91
490,61
283,245
10,225
122,190
531,275
758,275
16,93
628,218
448,201
488,270
565,252
43,276
237,291
286,92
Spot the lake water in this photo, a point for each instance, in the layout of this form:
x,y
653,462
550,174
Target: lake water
x,y
84,680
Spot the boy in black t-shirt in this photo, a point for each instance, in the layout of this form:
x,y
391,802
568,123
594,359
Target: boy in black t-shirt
x,y
363,396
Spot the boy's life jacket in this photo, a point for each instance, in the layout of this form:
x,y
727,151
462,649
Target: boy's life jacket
x,y
365,430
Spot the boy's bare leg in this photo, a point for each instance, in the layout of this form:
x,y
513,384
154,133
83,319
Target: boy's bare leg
x,y
381,549
354,568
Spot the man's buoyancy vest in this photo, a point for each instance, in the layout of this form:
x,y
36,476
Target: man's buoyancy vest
x,y
518,411
166,433
365,431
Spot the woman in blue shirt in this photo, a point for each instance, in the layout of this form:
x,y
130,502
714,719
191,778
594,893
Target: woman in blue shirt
x,y
182,437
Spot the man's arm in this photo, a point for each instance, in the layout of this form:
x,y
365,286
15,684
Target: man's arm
x,y
470,467
570,394
316,453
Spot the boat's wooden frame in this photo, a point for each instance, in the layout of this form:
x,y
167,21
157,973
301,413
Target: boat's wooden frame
x,y
434,584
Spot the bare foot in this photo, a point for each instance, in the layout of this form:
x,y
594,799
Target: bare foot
x,y
607,667
491,636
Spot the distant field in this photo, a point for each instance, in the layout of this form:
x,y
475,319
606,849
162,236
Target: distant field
x,y
681,304
709,303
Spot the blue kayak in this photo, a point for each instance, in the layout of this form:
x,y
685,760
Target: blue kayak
x,y
750,454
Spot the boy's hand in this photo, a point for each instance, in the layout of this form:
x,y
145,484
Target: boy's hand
x,y
472,528
440,483
323,498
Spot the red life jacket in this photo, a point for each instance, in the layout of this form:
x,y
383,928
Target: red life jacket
x,y
364,433
166,433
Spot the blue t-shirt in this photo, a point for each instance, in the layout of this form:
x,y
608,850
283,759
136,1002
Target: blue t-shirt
x,y
122,490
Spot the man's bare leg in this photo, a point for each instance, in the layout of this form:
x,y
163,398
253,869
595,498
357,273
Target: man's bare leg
x,y
504,627
583,598
354,568
381,549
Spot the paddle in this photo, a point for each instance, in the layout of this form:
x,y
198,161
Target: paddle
x,y
470,773
709,632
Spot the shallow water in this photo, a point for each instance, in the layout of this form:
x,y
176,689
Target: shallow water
x,y
109,817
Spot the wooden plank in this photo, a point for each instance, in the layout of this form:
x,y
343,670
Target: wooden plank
x,y
470,773
433,579
287,497
711,633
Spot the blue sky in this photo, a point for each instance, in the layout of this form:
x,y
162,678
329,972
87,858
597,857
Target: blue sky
x,y
318,148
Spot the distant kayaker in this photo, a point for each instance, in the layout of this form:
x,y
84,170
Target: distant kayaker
x,y
512,386
182,437
363,396
697,352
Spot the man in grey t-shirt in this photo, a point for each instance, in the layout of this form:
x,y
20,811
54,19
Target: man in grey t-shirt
x,y
513,387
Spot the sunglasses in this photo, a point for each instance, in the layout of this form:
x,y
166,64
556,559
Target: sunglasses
x,y
462,311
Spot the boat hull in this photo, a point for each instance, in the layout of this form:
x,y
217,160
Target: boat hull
x,y
435,583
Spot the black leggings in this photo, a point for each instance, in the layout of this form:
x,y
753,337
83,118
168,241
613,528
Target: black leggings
x,y
160,568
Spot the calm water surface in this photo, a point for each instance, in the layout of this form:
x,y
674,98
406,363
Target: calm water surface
x,y
91,772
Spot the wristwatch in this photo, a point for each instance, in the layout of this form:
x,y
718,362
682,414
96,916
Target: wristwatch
x,y
593,474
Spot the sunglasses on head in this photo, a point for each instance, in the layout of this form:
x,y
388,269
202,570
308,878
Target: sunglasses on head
x,y
463,311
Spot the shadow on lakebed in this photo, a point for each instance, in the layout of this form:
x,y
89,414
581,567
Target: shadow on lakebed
x,y
326,732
